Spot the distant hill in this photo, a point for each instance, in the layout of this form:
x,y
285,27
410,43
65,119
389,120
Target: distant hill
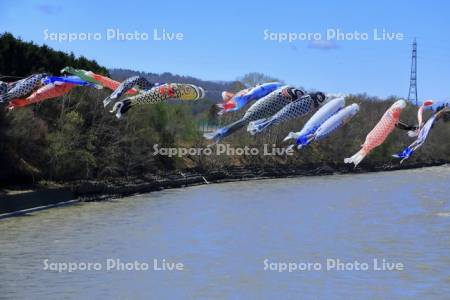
x,y
213,89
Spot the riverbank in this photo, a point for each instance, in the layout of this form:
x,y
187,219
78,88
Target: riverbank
x,y
17,200
95,191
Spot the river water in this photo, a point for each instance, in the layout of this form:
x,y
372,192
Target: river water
x,y
232,240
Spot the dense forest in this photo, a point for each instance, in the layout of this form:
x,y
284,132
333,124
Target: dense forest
x,y
74,137
19,59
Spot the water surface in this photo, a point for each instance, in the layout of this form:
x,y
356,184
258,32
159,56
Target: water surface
x,y
222,233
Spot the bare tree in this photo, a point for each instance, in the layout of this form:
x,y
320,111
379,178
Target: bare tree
x,y
255,78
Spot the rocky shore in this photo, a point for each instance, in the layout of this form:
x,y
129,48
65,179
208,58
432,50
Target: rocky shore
x,y
99,190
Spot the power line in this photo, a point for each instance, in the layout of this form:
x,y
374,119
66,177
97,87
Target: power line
x,y
10,76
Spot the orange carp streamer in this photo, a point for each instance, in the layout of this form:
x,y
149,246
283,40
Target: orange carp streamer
x,y
46,92
379,133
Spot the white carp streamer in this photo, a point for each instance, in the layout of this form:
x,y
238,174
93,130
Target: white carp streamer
x,y
424,131
336,121
422,136
323,114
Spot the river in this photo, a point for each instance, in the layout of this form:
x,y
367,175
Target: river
x,y
233,241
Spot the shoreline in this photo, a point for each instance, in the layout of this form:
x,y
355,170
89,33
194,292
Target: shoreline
x,y
28,199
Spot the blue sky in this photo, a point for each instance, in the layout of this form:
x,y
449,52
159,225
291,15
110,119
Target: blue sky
x,y
224,40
